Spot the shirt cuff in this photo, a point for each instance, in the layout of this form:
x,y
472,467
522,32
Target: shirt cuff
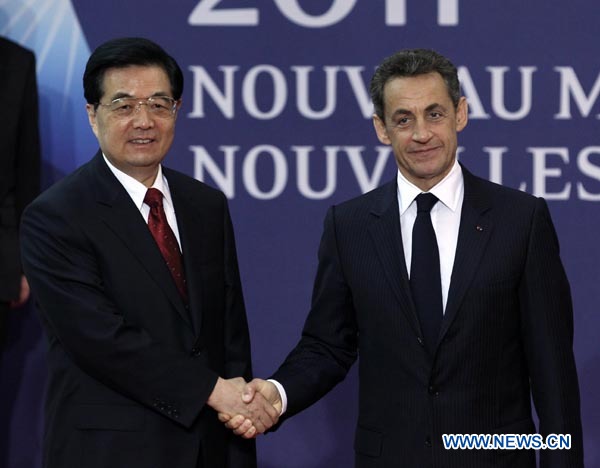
x,y
282,394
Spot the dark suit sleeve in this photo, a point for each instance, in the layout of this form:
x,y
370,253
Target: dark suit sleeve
x,y
241,452
66,277
237,339
328,346
19,157
28,141
547,325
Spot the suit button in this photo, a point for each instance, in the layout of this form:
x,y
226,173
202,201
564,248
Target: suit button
x,y
420,340
433,391
427,441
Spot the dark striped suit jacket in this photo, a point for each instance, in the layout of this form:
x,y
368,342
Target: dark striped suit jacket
x,y
506,334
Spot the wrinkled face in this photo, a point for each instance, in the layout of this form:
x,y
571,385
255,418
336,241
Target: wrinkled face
x,y
135,144
421,125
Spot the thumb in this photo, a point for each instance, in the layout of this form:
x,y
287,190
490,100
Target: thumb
x,y
248,392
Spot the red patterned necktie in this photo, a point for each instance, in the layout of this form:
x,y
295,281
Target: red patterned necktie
x,y
165,239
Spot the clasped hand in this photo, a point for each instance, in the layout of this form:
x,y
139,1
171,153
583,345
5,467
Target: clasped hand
x,y
247,409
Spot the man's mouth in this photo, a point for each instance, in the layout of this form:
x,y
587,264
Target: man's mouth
x,y
141,141
424,150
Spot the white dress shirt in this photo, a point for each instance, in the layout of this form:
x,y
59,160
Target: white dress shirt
x,y
137,192
445,217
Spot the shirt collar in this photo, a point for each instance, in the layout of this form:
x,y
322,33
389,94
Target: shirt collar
x,y
137,190
448,190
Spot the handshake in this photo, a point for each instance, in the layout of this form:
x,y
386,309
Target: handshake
x,y
249,409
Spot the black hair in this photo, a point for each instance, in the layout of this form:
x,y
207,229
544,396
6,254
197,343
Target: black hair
x,y
413,62
125,52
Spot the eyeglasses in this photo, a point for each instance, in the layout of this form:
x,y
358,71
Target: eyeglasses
x,y
159,106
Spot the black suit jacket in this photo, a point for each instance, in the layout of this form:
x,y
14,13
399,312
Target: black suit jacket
x,y
506,333
130,367
19,156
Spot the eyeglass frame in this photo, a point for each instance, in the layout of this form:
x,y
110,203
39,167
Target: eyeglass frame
x,y
138,104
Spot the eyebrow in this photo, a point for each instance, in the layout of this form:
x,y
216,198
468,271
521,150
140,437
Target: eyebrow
x,y
429,108
121,95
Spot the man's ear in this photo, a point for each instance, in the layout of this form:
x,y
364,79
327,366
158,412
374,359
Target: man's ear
x,y
462,114
381,130
91,112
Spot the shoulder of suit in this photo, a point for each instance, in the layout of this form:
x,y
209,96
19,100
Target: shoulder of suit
x,y
357,209
12,51
497,192
368,198
68,194
185,182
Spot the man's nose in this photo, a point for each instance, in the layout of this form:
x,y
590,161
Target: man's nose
x,y
421,131
142,117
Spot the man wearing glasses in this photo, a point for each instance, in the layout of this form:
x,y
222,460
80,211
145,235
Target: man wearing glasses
x,y
135,271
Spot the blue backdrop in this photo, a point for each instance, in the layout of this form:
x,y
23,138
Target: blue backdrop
x,y
276,114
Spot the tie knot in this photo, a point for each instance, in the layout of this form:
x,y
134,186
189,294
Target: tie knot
x,y
425,202
153,198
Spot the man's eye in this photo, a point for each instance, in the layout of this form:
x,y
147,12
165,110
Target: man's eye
x,y
435,115
121,106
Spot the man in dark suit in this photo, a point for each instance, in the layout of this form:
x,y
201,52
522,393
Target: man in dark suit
x,y
135,271
19,166
454,336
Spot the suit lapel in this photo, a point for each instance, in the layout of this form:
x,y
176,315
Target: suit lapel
x,y
123,218
191,231
473,235
387,238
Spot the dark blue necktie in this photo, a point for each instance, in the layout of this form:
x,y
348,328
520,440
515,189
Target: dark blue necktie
x,y
425,282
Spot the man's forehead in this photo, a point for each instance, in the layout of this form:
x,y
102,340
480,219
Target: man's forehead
x,y
124,80
133,71
423,91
